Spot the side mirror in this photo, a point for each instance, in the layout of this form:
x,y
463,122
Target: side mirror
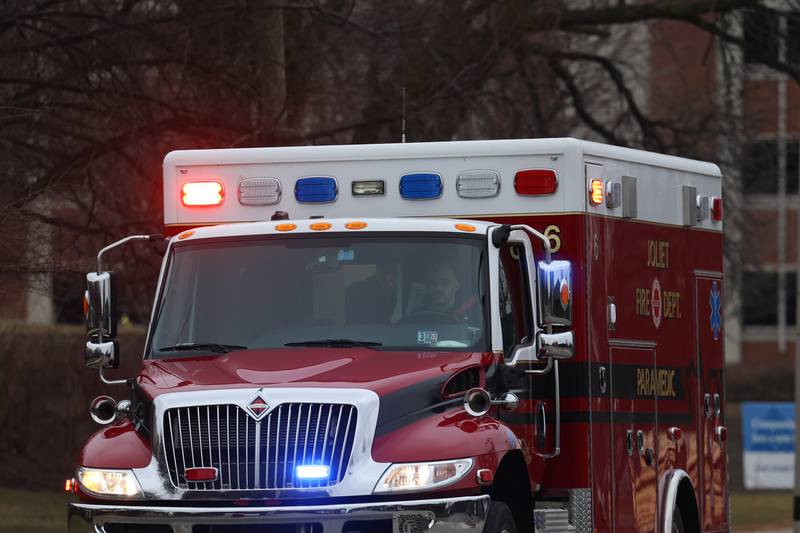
x,y
100,306
102,354
555,345
555,293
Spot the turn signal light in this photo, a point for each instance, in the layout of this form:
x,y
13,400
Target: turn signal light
x,y
596,192
202,193
535,182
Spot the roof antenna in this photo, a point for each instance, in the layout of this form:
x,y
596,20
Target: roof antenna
x,y
403,137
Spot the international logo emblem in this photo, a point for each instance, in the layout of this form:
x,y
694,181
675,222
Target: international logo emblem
x,y
655,303
715,300
258,407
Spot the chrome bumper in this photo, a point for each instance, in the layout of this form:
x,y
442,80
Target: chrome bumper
x,y
414,516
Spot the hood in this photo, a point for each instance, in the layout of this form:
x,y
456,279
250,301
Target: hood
x,y
383,372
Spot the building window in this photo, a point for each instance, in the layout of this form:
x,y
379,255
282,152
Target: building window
x,y
760,36
760,167
760,298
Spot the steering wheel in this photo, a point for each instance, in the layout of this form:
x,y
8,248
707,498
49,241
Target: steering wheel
x,y
436,316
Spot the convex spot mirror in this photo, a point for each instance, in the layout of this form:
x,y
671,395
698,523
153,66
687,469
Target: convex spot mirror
x,y
102,354
555,293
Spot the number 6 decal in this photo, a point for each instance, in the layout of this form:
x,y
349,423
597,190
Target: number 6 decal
x,y
553,233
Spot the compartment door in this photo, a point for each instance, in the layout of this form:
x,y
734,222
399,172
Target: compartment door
x,y
713,431
633,423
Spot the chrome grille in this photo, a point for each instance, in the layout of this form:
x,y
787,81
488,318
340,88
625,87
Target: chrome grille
x,y
251,455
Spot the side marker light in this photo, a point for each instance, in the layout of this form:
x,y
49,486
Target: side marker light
x,y
596,192
716,209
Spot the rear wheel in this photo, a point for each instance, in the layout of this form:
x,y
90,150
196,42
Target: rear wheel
x,y
677,521
499,519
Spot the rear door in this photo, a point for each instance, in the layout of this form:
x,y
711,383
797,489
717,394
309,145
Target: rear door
x,y
633,423
711,411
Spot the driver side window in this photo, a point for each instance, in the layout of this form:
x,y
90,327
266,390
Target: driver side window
x,y
514,287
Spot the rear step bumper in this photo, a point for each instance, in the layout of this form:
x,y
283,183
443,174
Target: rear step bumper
x,y
464,515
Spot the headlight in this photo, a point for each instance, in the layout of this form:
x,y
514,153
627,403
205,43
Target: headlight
x,y
109,482
418,476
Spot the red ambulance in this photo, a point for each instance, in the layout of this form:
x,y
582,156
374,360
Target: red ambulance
x,y
495,336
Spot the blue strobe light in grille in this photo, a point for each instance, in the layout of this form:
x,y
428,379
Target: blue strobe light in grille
x,y
421,186
315,190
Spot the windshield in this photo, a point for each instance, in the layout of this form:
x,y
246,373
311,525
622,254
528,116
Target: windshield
x,y
380,291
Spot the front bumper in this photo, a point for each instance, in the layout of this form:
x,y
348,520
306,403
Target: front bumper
x,y
464,515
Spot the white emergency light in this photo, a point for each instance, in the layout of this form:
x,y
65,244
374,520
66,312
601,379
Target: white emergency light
x,y
478,184
259,191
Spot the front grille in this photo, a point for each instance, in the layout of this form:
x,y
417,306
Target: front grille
x,y
250,455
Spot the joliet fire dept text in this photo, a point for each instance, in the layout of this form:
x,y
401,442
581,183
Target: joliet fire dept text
x,y
464,336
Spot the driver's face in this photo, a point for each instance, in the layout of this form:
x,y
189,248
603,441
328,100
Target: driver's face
x,y
442,288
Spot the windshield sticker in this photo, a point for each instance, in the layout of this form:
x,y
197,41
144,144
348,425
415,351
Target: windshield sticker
x,y
346,255
427,337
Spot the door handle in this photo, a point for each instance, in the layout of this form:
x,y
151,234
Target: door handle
x,y
640,442
717,405
603,379
707,405
629,441
721,432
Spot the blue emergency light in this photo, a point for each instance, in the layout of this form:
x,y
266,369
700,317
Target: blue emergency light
x,y
421,186
312,471
316,190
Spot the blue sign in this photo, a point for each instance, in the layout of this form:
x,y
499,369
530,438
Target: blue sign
x,y
768,426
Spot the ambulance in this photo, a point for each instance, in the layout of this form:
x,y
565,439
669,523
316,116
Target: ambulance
x,y
490,336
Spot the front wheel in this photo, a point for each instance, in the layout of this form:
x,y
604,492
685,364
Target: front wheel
x,y
499,519
677,521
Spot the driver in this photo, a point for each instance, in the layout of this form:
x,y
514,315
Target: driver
x,y
442,285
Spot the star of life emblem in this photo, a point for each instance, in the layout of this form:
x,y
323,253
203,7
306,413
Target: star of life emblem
x,y
258,407
715,301
656,303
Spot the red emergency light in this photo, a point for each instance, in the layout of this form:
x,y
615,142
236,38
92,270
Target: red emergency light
x,y
716,209
535,182
202,193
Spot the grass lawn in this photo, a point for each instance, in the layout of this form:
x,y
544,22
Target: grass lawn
x,y
46,512
756,510
32,512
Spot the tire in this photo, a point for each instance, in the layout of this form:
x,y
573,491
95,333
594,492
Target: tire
x,y
499,519
677,521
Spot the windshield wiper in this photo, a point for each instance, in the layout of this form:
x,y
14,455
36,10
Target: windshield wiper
x,y
202,347
335,343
